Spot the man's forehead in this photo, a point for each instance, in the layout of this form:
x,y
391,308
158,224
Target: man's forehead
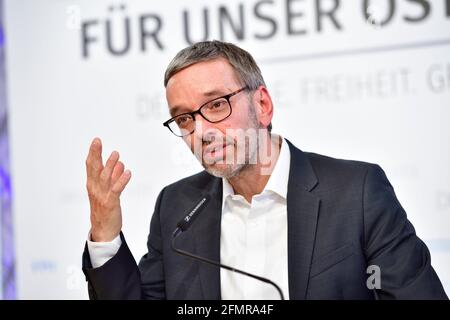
x,y
200,82
193,99
204,73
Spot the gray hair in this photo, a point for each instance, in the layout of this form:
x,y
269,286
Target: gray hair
x,y
241,61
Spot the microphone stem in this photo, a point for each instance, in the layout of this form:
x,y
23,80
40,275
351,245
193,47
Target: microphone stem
x,y
194,256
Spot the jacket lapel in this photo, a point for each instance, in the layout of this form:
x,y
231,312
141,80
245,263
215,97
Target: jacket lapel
x,y
207,241
302,210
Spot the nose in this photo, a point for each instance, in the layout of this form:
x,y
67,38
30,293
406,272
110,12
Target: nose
x,y
203,127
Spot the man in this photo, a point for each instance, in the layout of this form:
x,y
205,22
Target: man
x,y
313,225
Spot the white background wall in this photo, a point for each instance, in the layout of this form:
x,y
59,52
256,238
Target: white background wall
x,y
373,93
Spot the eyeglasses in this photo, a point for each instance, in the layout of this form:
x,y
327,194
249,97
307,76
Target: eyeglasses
x,y
212,111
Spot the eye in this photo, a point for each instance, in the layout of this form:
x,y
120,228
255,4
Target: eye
x,y
217,104
181,120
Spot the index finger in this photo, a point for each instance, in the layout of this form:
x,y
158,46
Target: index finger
x,y
94,162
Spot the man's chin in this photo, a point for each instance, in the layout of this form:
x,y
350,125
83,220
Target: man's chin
x,y
223,170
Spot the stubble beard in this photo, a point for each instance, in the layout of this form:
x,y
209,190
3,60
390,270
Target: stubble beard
x,y
230,170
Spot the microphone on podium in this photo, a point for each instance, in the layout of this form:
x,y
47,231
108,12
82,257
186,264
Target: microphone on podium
x,y
185,224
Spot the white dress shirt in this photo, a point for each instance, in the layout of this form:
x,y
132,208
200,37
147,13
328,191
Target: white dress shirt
x,y
253,238
101,252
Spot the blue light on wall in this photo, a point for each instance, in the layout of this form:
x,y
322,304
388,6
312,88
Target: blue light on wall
x,y
6,226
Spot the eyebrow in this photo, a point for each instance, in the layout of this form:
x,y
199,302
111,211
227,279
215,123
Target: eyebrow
x,y
173,111
211,94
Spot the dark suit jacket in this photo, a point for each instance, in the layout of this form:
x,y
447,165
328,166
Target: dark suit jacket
x,y
342,216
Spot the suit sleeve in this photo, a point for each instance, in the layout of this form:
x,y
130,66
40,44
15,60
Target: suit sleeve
x,y
117,279
391,244
120,278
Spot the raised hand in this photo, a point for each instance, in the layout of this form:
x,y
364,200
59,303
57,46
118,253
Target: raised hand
x,y
105,184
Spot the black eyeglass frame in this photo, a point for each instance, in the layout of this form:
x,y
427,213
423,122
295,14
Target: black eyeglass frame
x,y
193,113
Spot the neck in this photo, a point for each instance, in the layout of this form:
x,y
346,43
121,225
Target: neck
x,y
254,177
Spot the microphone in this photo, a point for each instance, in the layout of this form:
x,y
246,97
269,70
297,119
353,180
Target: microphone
x,y
185,224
